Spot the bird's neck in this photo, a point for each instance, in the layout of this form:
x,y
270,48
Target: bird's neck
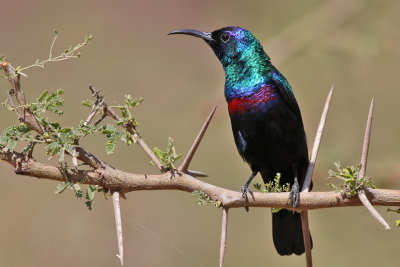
x,y
246,75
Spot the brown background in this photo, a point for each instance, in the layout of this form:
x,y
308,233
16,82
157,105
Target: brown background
x,y
354,44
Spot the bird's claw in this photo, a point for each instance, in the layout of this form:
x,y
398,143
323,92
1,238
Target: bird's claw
x,y
294,194
246,190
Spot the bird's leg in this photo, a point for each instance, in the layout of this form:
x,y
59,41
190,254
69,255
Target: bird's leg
x,y
294,194
245,189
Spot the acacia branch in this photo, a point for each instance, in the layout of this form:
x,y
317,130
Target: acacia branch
x,y
118,180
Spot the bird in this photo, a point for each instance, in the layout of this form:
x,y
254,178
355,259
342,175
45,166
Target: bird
x,y
266,123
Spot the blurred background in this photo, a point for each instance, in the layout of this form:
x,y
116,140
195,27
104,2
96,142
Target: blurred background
x,y
353,44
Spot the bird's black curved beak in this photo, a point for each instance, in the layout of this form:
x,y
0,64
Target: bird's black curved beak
x,y
206,36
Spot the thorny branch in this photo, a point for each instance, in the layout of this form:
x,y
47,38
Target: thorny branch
x,y
121,181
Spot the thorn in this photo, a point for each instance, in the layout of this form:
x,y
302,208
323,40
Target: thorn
x,y
117,213
364,158
306,237
224,230
367,137
317,141
196,173
186,162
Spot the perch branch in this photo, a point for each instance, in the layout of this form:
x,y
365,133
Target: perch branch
x,y
117,180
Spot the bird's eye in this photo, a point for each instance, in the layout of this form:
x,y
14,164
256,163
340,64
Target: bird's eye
x,y
225,37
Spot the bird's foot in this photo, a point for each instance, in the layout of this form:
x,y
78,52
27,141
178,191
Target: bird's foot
x,y
246,190
294,194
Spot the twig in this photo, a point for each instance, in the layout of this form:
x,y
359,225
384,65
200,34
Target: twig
x,y
364,157
131,129
95,108
317,142
186,162
224,230
306,237
13,105
117,214
27,116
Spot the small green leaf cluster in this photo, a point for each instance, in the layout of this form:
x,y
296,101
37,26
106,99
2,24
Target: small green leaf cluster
x,y
169,157
59,139
47,102
274,187
128,119
111,133
79,193
349,175
203,199
14,133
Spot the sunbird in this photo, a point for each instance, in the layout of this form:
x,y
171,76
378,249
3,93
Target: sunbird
x,y
266,123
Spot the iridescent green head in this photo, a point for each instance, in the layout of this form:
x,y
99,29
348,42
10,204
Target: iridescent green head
x,y
231,45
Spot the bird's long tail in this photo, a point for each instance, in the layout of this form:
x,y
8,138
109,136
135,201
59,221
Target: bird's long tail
x,y
287,232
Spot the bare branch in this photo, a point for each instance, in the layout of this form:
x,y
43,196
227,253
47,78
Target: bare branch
x,y
224,230
117,213
186,162
364,158
317,141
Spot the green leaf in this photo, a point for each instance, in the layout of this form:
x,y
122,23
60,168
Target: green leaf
x,y
78,190
90,192
169,157
87,103
61,188
89,204
42,96
11,144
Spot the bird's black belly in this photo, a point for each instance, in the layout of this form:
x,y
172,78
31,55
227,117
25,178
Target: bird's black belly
x,y
272,141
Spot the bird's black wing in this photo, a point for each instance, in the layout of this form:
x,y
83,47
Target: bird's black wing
x,y
285,91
